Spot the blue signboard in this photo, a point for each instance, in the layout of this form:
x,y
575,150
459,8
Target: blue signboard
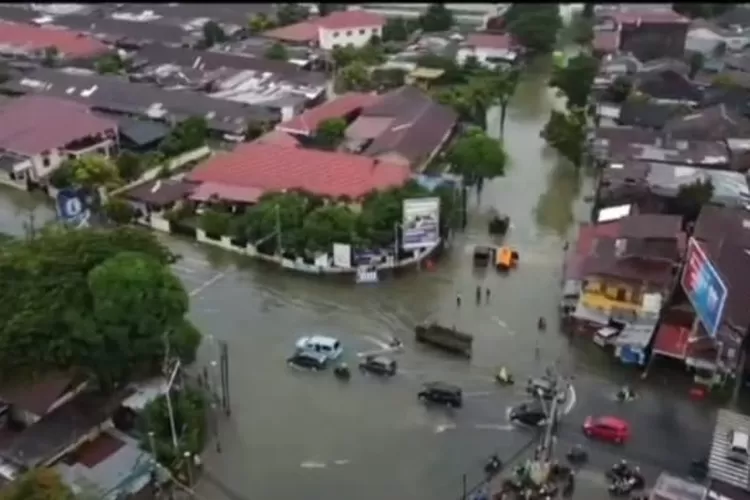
x,y
73,207
704,287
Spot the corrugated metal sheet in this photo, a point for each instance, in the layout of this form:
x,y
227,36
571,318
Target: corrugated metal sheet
x,y
720,466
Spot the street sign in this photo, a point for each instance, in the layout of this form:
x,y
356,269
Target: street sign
x,y
72,207
704,288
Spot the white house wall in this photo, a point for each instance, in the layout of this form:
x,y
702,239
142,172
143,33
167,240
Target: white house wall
x,y
358,37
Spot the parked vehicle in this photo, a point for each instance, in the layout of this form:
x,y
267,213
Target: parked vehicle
x,y
483,255
441,393
499,224
379,365
328,346
342,372
577,455
611,429
448,339
506,258
543,387
310,360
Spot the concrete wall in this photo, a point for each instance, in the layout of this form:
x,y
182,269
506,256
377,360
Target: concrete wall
x,y
357,37
172,164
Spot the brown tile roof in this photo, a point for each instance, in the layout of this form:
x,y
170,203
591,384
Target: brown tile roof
x,y
69,43
607,259
37,396
92,453
651,226
269,168
304,32
342,106
160,192
33,124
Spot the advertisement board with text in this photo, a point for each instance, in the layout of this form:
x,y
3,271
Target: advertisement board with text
x,y
421,223
704,288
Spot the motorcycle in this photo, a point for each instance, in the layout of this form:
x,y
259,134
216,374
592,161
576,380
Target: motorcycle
x,y
577,455
504,378
626,395
622,487
342,372
493,466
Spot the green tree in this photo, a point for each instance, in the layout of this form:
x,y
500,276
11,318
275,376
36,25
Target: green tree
x,y
395,30
109,64
469,101
691,198
534,25
93,171
388,78
213,34
129,165
502,87
703,10
437,17
697,59
256,129
566,132
354,77
259,225
119,211
215,222
190,411
327,8
477,157
330,133
343,56
583,30
62,176
576,79
259,23
453,74
329,224
189,134
291,13
277,52
38,484
382,210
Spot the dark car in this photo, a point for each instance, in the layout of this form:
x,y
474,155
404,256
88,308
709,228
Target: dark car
x,y
311,360
441,393
379,365
531,414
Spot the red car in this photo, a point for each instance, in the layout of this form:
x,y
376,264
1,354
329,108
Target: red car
x,y
612,429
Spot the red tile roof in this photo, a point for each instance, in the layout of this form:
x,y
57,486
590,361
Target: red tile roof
x,y
304,32
307,122
577,253
606,41
350,19
269,167
647,16
92,453
279,138
68,43
486,41
33,124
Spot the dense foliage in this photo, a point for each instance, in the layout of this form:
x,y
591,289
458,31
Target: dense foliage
x,y
437,17
38,484
534,25
576,79
190,410
566,132
476,157
308,223
97,300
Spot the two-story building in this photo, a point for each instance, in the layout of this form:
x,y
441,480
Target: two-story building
x,y
646,33
338,29
38,133
625,279
489,50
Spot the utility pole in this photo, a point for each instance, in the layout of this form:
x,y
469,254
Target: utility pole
x,y
170,410
225,378
395,244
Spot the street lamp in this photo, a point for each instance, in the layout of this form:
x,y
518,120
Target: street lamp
x,y
189,467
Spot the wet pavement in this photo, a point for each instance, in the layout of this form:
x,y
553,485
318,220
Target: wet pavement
x,y
295,434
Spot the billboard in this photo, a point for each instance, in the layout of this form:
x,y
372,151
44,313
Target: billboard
x,y
73,207
704,287
421,223
342,255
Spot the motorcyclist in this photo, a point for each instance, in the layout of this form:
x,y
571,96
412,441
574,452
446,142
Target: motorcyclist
x,y
504,376
396,343
626,393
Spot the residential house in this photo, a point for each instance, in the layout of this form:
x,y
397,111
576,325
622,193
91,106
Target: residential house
x,y
141,136
713,155
261,167
31,400
603,141
626,278
667,81
649,113
489,50
25,41
708,38
717,123
347,106
728,479
338,29
152,199
110,467
473,14
37,133
118,97
651,34
405,127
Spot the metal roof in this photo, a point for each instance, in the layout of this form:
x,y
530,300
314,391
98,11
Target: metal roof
x,y
720,466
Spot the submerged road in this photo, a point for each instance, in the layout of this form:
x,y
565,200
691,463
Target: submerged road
x,y
295,434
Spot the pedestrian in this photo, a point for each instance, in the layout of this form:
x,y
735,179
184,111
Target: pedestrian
x,y
487,294
458,300
479,294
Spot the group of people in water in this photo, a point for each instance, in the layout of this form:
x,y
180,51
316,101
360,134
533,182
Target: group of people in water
x,y
487,294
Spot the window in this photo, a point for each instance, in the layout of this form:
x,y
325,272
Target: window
x,y
621,294
45,161
361,32
348,33
335,34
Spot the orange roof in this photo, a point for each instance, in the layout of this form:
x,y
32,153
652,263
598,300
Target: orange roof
x,y
68,43
270,167
350,19
307,122
306,31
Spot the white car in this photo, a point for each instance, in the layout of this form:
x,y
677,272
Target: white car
x,y
328,346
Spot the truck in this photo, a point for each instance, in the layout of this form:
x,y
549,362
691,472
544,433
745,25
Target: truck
x,y
442,337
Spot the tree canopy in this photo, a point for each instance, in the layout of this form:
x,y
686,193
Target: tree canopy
x,y
330,133
277,52
534,25
477,157
691,198
703,10
73,298
88,171
189,134
354,77
437,17
566,132
576,79
213,34
38,484
259,23
396,29
291,13
109,64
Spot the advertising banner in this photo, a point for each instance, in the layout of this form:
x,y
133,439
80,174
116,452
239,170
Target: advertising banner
x,y
704,287
366,274
421,224
342,255
73,207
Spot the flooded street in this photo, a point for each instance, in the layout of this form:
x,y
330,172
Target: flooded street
x,y
295,435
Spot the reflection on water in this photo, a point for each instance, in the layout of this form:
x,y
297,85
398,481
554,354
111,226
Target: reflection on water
x,y
554,209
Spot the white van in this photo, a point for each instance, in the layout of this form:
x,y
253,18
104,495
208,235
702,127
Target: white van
x,y
739,444
328,346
